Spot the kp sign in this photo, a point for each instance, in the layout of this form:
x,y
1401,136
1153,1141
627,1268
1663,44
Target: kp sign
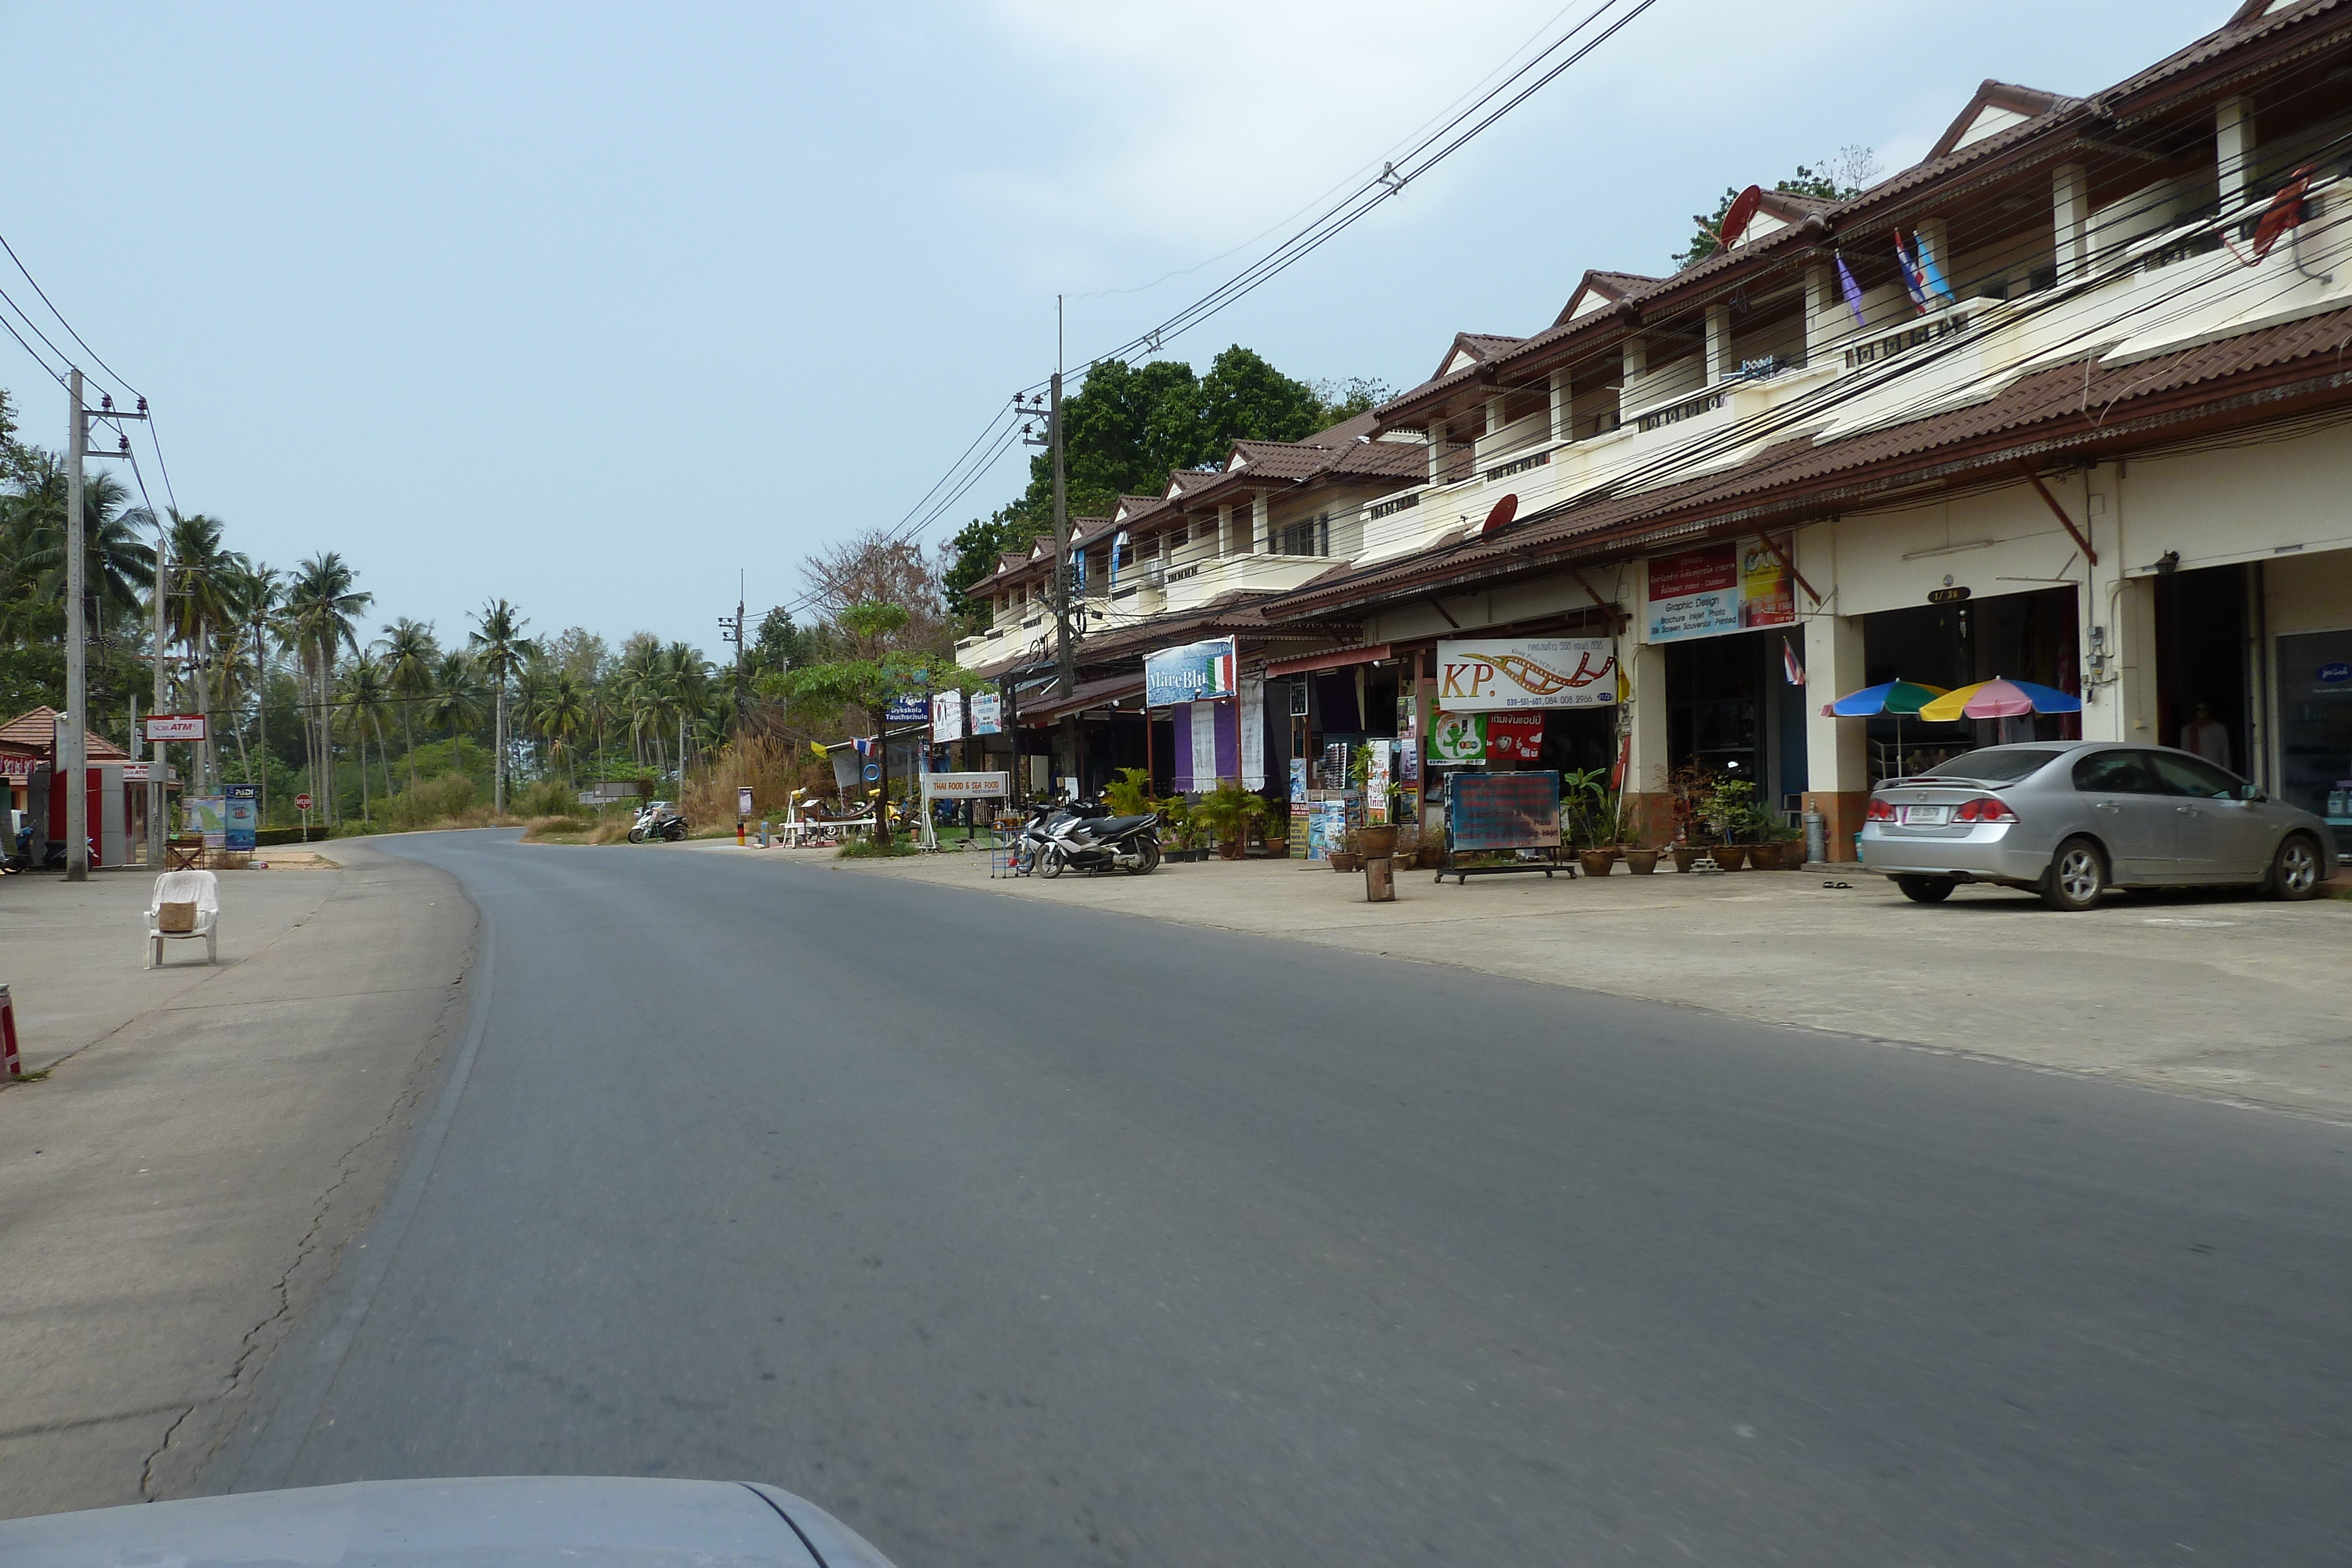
x,y
1498,676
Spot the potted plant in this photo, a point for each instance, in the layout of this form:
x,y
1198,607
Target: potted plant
x,y
1641,862
1228,812
1177,813
1346,855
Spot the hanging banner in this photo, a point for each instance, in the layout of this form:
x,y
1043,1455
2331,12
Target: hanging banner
x,y
1253,737
1718,589
1514,737
1494,676
947,717
1193,673
987,713
1201,719
1376,783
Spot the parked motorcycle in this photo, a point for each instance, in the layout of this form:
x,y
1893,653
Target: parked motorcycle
x,y
659,820
1086,837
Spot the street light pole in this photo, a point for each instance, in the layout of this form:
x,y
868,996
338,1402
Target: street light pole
x,y
156,768
72,754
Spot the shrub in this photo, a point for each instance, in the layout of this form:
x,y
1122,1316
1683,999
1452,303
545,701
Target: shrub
x,y
547,797
431,801
867,849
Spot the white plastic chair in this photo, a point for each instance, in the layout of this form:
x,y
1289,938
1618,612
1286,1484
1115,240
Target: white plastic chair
x,y
201,888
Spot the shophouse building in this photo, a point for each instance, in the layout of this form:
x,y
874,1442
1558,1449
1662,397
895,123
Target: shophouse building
x,y
2068,401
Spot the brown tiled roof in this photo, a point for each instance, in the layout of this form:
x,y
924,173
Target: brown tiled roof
x,y
2118,408
36,731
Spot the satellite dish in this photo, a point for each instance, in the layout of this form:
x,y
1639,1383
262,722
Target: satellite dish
x,y
1743,208
1500,518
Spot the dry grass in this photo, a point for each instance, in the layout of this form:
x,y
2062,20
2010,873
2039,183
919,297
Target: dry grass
x,y
772,769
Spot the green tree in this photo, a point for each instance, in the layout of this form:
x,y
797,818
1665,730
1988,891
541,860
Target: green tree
x,y
323,604
456,699
500,648
364,697
409,653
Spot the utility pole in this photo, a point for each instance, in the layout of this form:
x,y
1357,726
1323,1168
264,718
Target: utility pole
x,y
72,756
1066,653
156,768
731,631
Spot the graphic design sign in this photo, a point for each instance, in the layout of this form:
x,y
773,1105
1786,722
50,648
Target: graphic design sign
x,y
1719,589
1495,676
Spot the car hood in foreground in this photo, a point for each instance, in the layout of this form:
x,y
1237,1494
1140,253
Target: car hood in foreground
x,y
529,1522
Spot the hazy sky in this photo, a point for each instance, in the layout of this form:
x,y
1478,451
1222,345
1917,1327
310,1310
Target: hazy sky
x,y
590,306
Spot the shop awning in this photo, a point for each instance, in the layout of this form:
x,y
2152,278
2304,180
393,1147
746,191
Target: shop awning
x,y
1089,694
1329,659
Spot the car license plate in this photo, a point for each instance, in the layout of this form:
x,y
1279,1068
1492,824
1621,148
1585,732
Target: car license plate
x,y
1927,816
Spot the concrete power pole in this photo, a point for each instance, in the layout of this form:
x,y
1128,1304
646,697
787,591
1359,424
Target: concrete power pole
x,y
155,765
1066,653
72,756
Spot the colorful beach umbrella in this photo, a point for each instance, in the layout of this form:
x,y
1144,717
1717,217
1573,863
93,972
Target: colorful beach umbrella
x,y
1999,699
1897,697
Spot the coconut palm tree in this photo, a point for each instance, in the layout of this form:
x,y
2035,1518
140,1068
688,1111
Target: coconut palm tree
x,y
322,605
117,565
562,714
202,598
409,653
456,699
501,648
260,592
364,697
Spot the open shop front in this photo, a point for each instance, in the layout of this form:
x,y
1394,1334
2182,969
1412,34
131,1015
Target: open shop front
x,y
1520,704
1728,650
2030,636
1336,718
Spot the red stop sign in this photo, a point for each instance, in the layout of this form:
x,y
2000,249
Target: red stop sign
x,y
302,802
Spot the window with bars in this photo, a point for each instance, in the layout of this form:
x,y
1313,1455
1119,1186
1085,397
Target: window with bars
x,y
1310,536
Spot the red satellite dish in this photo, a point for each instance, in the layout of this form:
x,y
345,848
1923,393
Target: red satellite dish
x,y
1500,518
1743,208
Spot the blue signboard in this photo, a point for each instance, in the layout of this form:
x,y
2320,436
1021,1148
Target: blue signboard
x,y
1197,672
241,818
911,708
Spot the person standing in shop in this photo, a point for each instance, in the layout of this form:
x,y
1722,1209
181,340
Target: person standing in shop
x,y
2206,736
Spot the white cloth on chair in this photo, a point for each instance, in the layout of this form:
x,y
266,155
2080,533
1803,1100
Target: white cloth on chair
x,y
201,888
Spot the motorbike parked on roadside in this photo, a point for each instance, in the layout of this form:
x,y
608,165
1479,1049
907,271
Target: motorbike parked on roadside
x,y
1084,836
659,820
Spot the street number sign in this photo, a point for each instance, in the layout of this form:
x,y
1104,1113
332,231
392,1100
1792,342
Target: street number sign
x,y
302,802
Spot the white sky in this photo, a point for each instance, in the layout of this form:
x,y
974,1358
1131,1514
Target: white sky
x,y
590,307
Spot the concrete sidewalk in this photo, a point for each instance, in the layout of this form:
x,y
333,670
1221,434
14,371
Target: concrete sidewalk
x,y
2224,993
206,1141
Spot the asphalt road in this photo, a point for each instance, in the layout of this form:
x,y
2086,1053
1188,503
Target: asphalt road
x,y
1018,1236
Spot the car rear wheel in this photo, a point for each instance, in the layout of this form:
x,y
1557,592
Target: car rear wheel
x,y
2077,876
2295,870
1926,889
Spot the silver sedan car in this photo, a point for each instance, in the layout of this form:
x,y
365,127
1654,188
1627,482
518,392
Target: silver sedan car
x,y
2070,820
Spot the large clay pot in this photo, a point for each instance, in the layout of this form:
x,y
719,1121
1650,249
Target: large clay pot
x,y
1764,857
1377,843
1342,860
1685,854
1596,862
1730,857
1642,863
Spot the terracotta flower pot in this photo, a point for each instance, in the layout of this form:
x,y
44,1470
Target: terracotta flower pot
x,y
1683,855
1230,850
1377,843
1596,862
1768,857
1642,863
1342,860
1730,857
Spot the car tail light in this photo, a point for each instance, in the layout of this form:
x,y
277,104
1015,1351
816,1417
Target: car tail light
x,y
1881,811
1984,809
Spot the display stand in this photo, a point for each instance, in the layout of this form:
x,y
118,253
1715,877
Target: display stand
x,y
1487,813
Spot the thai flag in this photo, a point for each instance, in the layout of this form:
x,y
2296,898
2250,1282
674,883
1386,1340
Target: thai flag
x,y
1911,279
1789,664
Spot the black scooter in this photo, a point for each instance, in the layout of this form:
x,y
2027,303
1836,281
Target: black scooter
x,y
1084,837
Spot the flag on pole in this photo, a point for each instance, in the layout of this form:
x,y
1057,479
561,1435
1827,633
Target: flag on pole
x,y
1910,275
1789,664
1118,543
1852,289
1929,273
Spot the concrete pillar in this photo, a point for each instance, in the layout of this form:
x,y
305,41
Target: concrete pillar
x,y
1436,451
1648,802
1837,753
1825,317
1719,343
1636,360
1225,529
1563,422
2233,150
1494,425
2069,212
1260,525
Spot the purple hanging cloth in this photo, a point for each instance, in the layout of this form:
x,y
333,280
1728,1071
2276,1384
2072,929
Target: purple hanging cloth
x,y
1852,289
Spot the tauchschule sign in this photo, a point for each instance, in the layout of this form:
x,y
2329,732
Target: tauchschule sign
x,y
1495,676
